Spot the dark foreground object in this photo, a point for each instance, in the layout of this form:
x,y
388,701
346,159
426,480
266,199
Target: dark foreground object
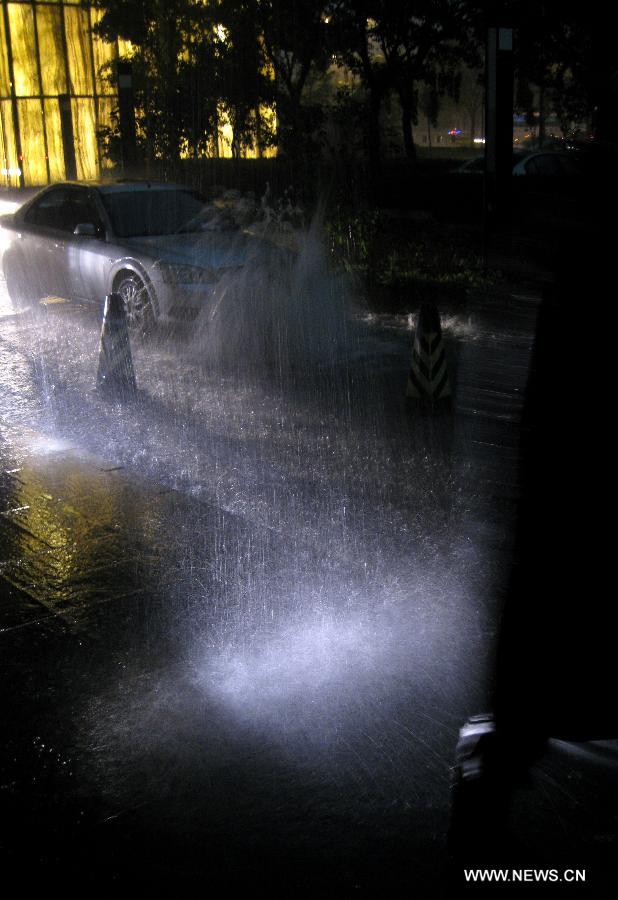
x,y
555,670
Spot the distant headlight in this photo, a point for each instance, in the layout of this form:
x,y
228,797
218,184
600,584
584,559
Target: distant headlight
x,y
172,274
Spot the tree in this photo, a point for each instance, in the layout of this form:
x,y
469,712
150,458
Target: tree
x,y
582,72
424,42
569,53
471,97
191,62
244,85
293,35
158,30
413,48
355,44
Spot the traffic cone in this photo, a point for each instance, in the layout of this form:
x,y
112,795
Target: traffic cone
x,y
428,381
115,376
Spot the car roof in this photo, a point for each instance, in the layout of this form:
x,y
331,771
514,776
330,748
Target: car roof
x,y
549,151
122,187
118,187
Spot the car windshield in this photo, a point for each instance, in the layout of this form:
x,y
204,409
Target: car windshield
x,y
153,212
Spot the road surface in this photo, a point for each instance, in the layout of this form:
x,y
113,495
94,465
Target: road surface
x,y
244,617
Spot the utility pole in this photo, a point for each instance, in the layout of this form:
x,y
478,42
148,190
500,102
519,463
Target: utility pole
x,y
498,129
126,115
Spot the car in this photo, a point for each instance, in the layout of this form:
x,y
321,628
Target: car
x,y
161,246
549,163
476,165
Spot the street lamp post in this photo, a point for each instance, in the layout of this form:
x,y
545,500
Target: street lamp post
x,y
498,128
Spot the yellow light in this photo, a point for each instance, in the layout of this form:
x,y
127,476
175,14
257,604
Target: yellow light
x,y
78,50
32,143
21,25
84,124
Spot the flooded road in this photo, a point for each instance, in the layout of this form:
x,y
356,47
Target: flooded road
x,y
244,616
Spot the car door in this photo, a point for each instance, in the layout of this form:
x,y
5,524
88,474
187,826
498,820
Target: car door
x,y
88,262
544,165
44,244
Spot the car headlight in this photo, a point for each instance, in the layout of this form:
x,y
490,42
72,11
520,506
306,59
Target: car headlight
x,y
180,274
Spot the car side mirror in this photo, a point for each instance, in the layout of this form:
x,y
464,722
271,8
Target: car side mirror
x,y
85,229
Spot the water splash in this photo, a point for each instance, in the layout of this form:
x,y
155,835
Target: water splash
x,y
284,310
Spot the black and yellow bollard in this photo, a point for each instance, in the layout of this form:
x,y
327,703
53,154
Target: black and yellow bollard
x,y
115,376
428,381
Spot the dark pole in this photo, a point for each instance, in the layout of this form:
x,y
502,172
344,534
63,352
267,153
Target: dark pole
x,y
126,114
498,129
68,136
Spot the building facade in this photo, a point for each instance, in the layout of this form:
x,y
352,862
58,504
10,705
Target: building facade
x,y
53,91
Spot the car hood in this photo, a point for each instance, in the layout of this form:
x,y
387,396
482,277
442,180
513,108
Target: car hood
x,y
212,249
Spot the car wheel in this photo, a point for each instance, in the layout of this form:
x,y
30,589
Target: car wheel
x,y
137,303
18,285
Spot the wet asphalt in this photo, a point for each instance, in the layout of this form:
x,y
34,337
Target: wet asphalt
x,y
199,693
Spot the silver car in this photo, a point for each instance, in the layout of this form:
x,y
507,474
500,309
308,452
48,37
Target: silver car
x,y
160,246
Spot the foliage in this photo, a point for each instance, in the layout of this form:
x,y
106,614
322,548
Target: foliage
x,y
412,48
293,37
569,51
423,44
352,38
191,63
159,31
401,256
195,61
240,73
